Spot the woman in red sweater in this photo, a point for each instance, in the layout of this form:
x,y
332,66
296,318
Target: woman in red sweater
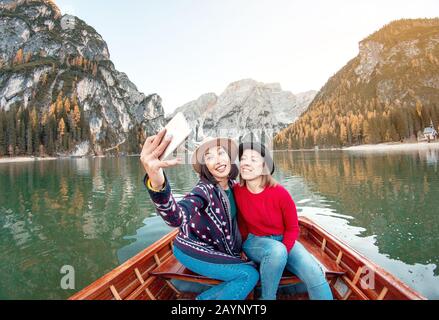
x,y
268,221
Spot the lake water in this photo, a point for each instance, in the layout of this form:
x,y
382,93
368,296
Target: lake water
x,y
93,214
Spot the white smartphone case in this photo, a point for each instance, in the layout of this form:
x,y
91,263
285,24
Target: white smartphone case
x,y
180,130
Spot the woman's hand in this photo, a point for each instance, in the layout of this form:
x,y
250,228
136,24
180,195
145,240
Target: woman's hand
x,y
152,150
244,256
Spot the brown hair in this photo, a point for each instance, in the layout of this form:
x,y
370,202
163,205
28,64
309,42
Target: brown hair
x,y
267,180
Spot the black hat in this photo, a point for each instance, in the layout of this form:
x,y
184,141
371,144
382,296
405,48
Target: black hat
x,y
259,147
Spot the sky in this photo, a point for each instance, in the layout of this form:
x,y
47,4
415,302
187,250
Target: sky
x,y
181,49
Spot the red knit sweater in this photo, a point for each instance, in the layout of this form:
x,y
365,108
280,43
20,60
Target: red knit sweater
x,y
271,212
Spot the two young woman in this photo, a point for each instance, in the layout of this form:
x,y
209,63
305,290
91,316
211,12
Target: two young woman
x,y
209,242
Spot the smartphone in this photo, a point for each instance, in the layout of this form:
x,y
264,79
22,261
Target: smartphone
x,y
180,130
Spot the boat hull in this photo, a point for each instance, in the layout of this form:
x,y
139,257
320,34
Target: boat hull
x,y
351,276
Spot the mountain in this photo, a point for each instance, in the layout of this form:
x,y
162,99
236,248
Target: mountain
x,y
389,92
245,106
59,89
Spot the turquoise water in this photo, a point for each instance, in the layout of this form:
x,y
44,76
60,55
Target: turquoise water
x,y
93,214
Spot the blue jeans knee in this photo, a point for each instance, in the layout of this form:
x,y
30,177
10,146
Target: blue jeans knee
x,y
239,279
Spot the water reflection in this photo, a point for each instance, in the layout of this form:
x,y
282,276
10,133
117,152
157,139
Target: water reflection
x,y
73,212
430,157
182,180
94,214
154,228
393,196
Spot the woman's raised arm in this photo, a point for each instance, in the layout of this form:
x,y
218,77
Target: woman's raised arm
x,y
153,148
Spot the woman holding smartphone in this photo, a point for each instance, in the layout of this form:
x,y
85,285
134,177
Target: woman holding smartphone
x,y
209,241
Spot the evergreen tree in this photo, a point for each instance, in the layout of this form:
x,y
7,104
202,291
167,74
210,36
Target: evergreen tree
x,y
61,134
51,145
67,105
29,140
35,130
21,133
2,134
59,103
49,134
10,132
76,115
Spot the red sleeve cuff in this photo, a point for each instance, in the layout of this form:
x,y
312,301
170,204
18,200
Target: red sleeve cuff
x,y
289,240
289,245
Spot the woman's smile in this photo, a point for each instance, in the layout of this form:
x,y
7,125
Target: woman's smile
x,y
221,168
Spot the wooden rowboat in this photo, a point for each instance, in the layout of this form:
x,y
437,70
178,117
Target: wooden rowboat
x,y
148,275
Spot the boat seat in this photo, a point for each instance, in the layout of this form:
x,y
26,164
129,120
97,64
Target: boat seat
x,y
173,269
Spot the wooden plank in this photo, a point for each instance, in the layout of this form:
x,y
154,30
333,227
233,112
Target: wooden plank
x,y
157,286
115,293
167,294
383,293
355,289
323,245
157,260
173,269
336,257
141,288
169,283
357,275
126,284
393,284
150,295
340,255
124,292
99,286
139,276
322,257
164,253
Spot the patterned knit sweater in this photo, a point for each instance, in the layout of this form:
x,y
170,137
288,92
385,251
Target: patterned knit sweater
x,y
207,231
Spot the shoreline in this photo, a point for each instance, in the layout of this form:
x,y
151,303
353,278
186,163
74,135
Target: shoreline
x,y
394,146
380,147
25,159
32,159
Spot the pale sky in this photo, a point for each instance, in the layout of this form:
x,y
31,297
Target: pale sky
x,y
181,49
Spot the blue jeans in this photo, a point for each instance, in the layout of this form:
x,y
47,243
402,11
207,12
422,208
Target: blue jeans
x,y
239,279
271,255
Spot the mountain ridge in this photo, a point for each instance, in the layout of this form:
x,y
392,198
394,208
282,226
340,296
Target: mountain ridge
x,y
48,59
388,92
245,106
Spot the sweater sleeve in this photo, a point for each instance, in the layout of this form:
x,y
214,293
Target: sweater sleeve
x,y
291,221
175,214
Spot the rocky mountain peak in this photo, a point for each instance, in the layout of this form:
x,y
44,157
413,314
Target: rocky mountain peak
x,y
389,92
246,87
47,57
244,106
